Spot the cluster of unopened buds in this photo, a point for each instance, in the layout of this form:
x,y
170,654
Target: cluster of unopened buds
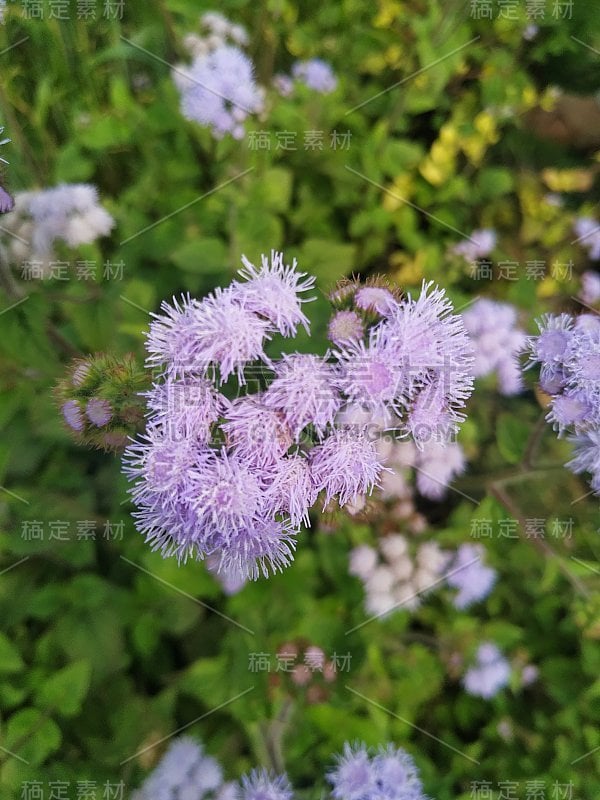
x,y
233,476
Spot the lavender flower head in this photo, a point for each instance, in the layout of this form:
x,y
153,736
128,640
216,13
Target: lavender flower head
x,y
316,74
184,771
588,234
218,90
490,673
479,244
262,785
388,774
497,342
70,212
590,287
470,576
345,326
7,202
273,292
568,350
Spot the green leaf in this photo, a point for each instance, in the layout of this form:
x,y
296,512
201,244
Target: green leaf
x,y
65,691
10,658
208,254
511,435
31,736
328,260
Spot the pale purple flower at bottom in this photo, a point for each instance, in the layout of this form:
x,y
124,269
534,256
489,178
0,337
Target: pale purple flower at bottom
x,y
263,785
390,774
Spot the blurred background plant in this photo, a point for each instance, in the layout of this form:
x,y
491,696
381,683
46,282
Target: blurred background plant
x,y
445,143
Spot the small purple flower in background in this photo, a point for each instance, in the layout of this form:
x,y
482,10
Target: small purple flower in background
x,y
436,466
588,235
470,576
390,773
490,673
568,350
316,74
497,342
184,771
590,287
218,90
262,785
284,85
98,411
73,415
69,212
479,245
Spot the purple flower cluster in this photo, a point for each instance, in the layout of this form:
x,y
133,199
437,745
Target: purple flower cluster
x,y
490,673
414,364
388,774
568,349
234,479
186,773
218,90
497,342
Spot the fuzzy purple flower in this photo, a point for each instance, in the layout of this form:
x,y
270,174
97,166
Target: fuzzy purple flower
x,y
587,456
304,392
497,342
345,464
219,331
219,90
292,489
263,785
184,772
185,408
272,291
257,434
588,234
316,74
375,298
432,351
590,287
470,576
490,673
479,244
390,774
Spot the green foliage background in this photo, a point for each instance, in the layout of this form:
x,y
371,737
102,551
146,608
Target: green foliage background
x,y
100,659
